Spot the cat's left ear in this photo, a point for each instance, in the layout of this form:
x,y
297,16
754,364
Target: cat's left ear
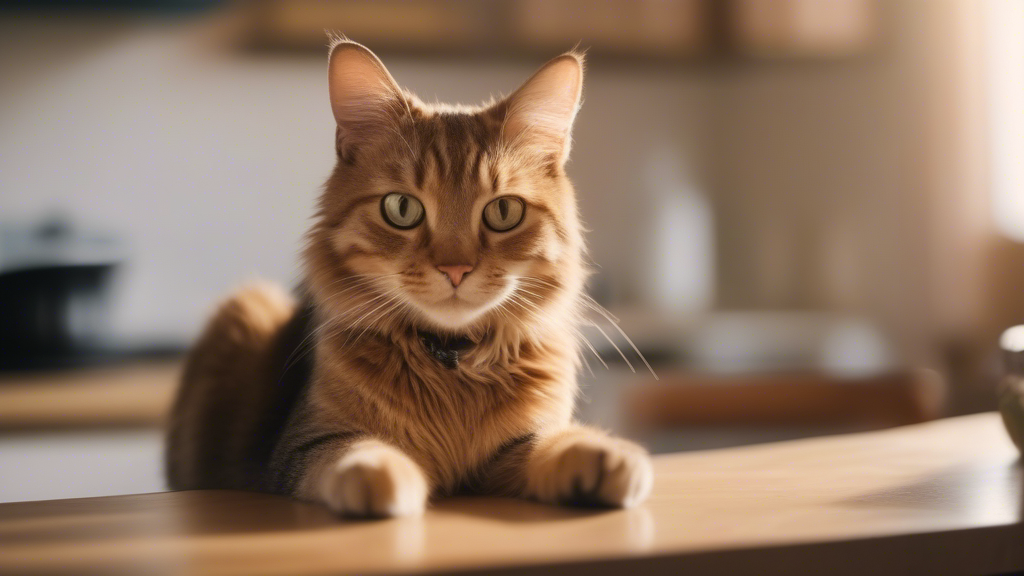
x,y
539,115
365,98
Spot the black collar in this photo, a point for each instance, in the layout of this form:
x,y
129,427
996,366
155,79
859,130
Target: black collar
x,y
445,349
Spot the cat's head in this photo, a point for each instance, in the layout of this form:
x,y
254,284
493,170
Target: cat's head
x,y
447,218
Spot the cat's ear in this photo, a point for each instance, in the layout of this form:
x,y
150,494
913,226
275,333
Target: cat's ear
x,y
364,96
541,112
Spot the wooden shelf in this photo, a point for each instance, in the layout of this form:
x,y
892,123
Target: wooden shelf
x,y
800,28
648,29
658,28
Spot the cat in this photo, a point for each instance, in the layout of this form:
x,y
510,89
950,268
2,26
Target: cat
x,y
435,346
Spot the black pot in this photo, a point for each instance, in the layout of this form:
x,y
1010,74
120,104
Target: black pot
x,y
52,312
53,294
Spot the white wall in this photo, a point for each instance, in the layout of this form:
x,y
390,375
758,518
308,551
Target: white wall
x,y
209,160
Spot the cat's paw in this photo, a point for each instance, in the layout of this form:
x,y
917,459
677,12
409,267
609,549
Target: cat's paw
x,y
377,481
593,470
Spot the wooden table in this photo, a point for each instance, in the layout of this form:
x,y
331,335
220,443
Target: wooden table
x,y
943,497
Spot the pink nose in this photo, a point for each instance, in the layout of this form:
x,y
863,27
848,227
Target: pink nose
x,y
455,273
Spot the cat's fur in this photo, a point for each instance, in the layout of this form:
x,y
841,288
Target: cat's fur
x,y
337,399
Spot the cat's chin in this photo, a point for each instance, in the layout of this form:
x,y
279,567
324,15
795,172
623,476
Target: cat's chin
x,y
451,318
452,315
459,314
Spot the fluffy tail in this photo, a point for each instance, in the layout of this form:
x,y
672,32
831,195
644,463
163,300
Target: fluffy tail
x,y
225,389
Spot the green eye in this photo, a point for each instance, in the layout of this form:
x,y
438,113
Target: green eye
x,y
504,214
401,210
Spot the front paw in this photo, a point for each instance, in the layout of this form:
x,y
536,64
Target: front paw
x,y
375,480
593,470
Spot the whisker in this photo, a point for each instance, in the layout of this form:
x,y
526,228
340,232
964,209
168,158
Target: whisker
x,y
616,346
525,291
308,343
524,302
354,324
291,359
362,306
358,279
587,363
500,309
592,349
391,305
588,300
628,339
538,282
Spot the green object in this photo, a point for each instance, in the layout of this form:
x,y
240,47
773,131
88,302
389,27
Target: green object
x,y
1011,406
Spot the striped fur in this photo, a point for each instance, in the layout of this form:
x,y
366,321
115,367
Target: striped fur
x,y
338,400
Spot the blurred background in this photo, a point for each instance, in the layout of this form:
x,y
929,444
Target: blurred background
x,y
808,214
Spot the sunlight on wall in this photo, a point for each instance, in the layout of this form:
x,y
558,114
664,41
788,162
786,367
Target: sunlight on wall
x,y
1006,114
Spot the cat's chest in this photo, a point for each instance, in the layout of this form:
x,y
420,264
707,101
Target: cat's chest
x,y
450,422
458,398
450,419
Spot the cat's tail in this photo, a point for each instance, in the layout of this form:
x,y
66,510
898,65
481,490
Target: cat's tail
x,y
224,386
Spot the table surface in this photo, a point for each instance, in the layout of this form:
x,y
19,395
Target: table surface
x,y
942,497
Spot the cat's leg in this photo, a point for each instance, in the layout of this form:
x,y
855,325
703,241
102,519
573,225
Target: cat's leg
x,y
583,466
372,478
357,476
575,465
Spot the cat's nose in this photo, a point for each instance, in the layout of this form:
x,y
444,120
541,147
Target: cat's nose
x,y
455,273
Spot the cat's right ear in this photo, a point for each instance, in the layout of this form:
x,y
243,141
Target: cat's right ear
x,y
364,96
539,115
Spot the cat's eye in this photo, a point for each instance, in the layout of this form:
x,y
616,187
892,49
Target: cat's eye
x,y
504,214
401,210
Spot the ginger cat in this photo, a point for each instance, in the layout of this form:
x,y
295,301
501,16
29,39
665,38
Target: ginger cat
x,y
435,347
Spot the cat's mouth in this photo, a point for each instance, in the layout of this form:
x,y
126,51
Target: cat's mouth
x,y
456,308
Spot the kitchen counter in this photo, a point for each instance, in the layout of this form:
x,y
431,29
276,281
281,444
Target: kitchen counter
x,y
99,426
937,498
123,395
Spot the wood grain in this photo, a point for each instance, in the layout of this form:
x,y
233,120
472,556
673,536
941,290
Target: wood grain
x,y
943,497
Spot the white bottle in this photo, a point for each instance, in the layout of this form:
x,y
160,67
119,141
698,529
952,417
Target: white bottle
x,y
680,245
